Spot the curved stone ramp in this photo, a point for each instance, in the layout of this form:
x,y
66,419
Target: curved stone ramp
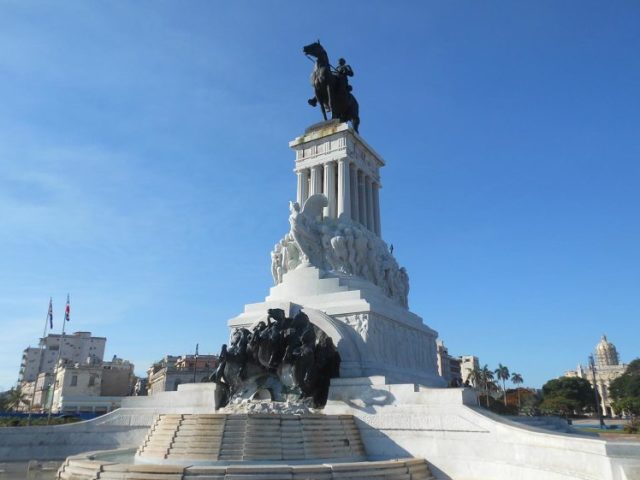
x,y
83,467
185,439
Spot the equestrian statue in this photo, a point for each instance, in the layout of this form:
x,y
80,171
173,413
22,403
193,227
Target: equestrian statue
x,y
331,86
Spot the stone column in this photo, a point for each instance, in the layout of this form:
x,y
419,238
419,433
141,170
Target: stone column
x,y
353,180
303,186
362,199
369,190
376,209
330,189
316,180
344,190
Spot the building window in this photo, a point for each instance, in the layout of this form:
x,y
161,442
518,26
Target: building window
x,y
92,380
74,380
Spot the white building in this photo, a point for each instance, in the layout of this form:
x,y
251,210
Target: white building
x,y
449,367
468,363
172,371
76,347
38,363
607,368
93,386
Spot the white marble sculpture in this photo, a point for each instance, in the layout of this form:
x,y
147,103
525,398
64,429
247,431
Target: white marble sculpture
x,y
339,246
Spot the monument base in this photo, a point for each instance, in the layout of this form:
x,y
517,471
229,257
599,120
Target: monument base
x,y
374,334
381,422
461,440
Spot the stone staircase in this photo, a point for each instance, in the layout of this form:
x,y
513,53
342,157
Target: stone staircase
x,y
268,437
76,468
248,447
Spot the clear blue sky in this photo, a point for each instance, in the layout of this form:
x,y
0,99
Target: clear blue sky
x,y
144,167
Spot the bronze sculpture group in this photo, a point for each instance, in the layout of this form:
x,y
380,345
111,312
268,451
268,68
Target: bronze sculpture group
x,y
282,358
331,86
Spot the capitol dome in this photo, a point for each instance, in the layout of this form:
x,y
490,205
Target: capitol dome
x,y
606,353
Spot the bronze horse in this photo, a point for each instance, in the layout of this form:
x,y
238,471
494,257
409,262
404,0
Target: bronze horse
x,y
330,92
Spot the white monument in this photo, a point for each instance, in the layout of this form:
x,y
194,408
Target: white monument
x,y
334,265
384,417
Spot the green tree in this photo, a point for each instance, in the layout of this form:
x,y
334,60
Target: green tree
x,y
627,384
558,405
625,390
565,395
516,379
628,405
530,402
15,398
502,373
475,377
3,401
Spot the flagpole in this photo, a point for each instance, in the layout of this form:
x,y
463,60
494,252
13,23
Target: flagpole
x,y
47,319
55,374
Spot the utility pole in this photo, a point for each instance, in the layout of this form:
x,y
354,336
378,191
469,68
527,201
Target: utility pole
x,y
592,366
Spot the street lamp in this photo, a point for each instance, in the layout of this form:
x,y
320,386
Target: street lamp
x,y
592,366
195,364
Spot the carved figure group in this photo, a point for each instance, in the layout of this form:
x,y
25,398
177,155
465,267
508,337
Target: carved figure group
x,y
332,89
339,246
290,354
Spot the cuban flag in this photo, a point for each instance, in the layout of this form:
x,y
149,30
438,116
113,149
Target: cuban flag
x,y
67,309
50,313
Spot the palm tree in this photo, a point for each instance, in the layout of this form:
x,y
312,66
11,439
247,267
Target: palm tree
x,y
475,377
487,377
516,379
502,373
15,398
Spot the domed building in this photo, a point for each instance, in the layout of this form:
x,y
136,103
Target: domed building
x,y
607,367
606,353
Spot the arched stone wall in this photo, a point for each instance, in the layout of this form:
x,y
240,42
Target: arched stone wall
x,y
349,344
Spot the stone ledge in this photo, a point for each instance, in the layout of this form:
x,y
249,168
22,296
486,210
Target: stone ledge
x,y
389,469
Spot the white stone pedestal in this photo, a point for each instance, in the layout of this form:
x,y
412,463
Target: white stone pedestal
x,y
374,334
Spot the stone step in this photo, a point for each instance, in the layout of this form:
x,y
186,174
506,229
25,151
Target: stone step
x,y
387,473
160,438
205,470
204,421
194,437
192,456
193,447
204,425
257,437
165,426
258,476
155,452
405,469
81,470
152,476
209,432
205,477
112,476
